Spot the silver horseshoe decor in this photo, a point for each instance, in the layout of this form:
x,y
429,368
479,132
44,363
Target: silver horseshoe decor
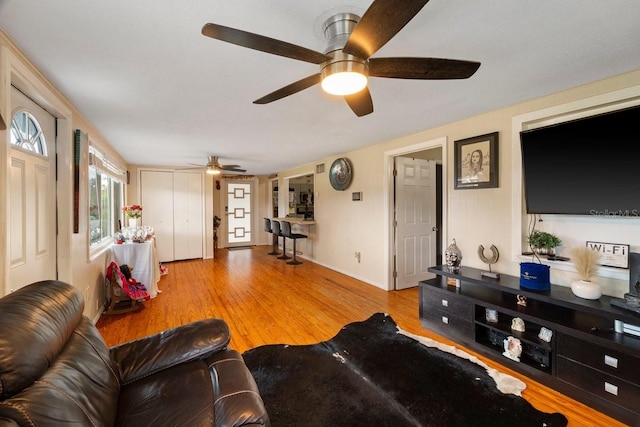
x,y
495,255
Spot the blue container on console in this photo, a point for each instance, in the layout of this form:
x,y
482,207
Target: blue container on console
x,y
534,276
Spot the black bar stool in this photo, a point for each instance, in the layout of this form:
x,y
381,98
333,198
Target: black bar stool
x,y
277,232
268,229
286,232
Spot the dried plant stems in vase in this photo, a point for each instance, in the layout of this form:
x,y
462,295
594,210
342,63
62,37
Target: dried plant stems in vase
x,y
585,260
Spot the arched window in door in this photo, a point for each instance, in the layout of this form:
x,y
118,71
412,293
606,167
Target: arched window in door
x,y
27,134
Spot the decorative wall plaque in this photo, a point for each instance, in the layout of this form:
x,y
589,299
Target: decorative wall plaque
x,y
611,254
340,174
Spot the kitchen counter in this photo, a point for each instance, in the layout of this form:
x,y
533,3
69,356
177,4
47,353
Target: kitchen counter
x,y
298,221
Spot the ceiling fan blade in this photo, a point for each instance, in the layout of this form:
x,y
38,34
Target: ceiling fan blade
x,y
225,168
422,68
360,102
230,166
263,43
379,24
295,87
190,168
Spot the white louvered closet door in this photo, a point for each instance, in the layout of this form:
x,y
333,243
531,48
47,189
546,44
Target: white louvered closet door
x,y
188,221
173,204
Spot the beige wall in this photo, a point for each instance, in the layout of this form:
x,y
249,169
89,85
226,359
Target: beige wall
x,y
474,217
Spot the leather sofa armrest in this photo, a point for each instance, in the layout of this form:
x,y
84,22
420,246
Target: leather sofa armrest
x,y
237,398
154,353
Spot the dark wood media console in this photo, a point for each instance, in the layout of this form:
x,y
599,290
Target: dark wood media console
x,y
585,359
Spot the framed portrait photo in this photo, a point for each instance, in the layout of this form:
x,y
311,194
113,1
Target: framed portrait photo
x,y
477,162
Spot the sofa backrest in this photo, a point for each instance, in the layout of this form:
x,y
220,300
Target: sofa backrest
x,y
55,367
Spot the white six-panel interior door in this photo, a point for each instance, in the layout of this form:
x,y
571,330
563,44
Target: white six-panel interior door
x,y
415,220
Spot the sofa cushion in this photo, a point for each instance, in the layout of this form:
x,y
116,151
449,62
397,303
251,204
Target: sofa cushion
x,y
54,365
79,388
154,353
36,322
180,396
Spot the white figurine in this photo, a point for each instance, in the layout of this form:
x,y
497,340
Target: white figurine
x,y
517,324
545,334
512,348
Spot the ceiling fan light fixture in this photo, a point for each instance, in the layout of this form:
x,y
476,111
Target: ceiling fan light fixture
x,y
212,170
347,63
344,77
345,83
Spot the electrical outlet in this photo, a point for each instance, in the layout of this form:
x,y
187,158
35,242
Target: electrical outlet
x,y
358,257
86,295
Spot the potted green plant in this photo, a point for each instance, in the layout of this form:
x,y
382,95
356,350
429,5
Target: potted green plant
x,y
543,243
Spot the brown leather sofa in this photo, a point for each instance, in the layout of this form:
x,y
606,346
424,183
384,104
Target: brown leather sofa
x,y
56,370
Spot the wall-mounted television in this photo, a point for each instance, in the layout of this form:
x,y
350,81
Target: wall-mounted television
x,y
589,166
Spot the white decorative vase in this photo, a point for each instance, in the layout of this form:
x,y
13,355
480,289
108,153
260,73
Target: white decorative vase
x,y
586,289
133,222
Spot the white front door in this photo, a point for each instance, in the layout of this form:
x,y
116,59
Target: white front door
x,y
416,220
32,218
239,213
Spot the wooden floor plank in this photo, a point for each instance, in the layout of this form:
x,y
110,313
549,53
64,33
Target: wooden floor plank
x,y
266,301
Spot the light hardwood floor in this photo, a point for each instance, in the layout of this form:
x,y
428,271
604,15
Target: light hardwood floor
x,y
266,301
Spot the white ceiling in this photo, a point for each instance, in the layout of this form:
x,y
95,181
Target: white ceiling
x,y
161,93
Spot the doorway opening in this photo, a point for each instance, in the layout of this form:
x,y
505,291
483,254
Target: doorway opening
x,y
273,184
301,200
416,214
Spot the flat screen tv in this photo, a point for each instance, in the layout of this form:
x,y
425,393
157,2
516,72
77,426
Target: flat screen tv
x,y
589,166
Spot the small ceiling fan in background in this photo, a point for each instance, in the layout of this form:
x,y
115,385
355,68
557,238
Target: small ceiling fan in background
x,y
215,168
346,64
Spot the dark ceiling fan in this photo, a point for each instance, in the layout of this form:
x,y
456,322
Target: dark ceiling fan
x,y
214,167
352,41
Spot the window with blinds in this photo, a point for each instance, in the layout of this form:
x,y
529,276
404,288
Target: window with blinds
x,y
106,197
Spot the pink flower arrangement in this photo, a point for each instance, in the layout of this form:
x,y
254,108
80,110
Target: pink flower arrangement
x,y
133,211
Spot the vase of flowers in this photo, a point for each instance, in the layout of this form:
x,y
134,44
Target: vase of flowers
x,y
133,212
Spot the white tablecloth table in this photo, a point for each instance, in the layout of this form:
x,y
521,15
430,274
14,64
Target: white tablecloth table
x,y
143,259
